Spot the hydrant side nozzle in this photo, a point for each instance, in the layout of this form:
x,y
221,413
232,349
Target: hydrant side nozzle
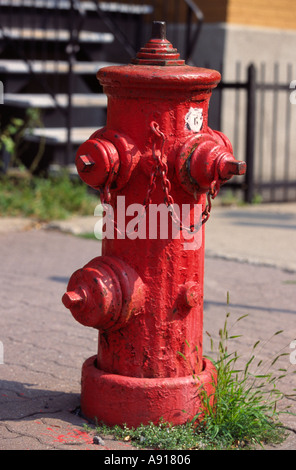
x,y
97,161
94,296
229,167
85,163
104,294
114,163
211,159
73,299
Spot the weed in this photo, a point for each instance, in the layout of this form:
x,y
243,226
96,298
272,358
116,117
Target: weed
x,y
45,198
12,139
88,236
244,413
161,436
228,198
245,409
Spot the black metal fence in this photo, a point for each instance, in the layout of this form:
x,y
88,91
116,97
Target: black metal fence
x,y
258,114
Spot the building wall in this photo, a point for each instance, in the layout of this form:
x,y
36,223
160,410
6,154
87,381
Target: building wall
x,y
265,13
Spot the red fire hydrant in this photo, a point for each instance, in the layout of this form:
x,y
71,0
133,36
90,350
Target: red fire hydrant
x,y
155,157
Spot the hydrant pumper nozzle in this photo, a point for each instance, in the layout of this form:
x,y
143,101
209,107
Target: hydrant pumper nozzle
x,y
144,294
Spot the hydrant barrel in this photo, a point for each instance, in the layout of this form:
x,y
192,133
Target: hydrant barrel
x,y
155,165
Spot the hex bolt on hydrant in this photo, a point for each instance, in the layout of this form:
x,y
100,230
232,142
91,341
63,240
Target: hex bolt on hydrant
x,y
145,293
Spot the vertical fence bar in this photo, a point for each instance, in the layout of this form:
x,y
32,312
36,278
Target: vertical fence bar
x,y
287,136
236,108
261,124
250,133
274,133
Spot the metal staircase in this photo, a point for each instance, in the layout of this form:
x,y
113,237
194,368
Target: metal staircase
x,y
51,50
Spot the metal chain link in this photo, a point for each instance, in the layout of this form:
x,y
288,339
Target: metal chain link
x,y
166,185
161,168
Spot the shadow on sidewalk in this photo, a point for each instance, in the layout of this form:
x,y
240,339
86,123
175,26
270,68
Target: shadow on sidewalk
x,y
209,303
21,401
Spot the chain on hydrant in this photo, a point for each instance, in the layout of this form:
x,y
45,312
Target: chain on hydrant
x,y
161,168
156,157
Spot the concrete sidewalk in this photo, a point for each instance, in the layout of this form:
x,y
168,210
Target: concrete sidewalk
x,y
251,253
259,234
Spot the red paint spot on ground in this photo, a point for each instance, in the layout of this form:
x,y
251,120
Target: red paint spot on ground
x,y
74,436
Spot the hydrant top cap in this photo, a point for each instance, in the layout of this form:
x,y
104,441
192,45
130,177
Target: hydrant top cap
x,y
158,63
158,50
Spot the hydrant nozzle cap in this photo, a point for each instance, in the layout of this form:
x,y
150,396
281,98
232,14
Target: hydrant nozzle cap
x,y
158,50
72,298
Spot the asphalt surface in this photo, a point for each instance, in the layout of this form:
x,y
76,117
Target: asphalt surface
x,y
250,253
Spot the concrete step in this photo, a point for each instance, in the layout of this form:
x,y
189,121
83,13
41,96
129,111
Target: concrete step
x,y
58,136
44,101
20,67
112,7
32,34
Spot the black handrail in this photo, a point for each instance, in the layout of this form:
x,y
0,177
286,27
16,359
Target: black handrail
x,y
115,30
191,40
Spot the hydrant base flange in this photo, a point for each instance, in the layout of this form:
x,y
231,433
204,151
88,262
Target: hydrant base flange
x,y
117,400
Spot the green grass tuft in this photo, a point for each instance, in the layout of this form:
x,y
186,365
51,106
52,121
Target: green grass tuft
x,y
245,413
45,199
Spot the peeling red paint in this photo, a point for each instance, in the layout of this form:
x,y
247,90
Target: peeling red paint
x,y
75,436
